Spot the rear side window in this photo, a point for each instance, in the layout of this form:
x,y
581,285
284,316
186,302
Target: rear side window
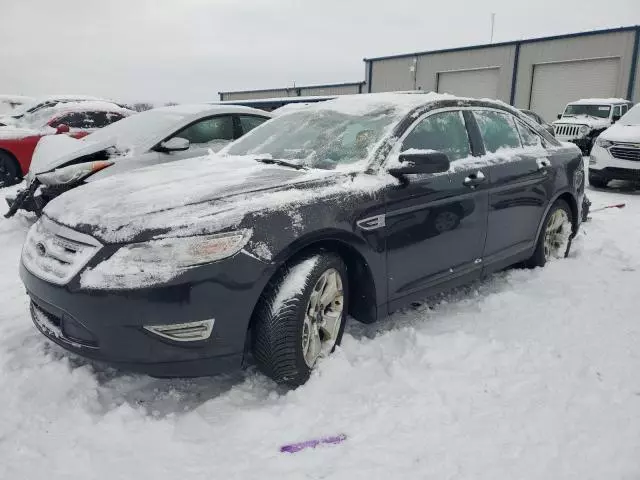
x,y
528,137
498,130
208,130
82,120
249,122
445,132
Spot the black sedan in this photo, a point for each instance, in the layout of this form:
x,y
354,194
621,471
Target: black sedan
x,y
358,205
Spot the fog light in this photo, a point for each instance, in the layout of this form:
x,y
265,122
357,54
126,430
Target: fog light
x,y
184,332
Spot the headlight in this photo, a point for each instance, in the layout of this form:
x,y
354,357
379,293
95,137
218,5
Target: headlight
x,y
72,173
584,130
601,142
143,264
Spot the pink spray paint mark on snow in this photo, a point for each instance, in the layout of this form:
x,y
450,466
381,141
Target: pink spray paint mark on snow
x,y
296,447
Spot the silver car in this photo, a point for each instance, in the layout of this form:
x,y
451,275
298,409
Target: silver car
x,y
156,136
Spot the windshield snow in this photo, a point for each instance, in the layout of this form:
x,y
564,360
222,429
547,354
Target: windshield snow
x,y
632,117
318,138
599,111
137,129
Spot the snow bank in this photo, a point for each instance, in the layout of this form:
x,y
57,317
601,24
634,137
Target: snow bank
x,y
530,374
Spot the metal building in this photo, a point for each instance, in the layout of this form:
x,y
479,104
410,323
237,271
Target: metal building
x,y
312,90
541,74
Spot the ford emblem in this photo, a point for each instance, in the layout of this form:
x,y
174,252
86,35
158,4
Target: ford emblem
x,y
40,248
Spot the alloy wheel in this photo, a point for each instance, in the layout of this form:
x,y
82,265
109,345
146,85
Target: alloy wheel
x,y
323,317
557,235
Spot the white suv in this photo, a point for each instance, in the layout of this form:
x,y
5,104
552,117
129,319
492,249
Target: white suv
x,y
584,120
616,153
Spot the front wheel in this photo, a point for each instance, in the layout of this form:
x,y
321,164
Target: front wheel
x,y
300,318
9,170
554,240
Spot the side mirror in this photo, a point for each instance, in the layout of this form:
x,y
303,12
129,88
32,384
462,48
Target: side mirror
x,y
421,161
62,128
175,144
559,116
616,117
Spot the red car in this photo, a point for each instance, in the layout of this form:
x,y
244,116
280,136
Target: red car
x,y
17,142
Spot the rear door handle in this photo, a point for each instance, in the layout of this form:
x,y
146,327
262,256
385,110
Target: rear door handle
x,y
474,179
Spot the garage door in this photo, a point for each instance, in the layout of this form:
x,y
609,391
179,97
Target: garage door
x,y
481,83
556,84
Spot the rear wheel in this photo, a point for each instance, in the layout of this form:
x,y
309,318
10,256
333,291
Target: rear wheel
x,y
554,240
9,170
300,318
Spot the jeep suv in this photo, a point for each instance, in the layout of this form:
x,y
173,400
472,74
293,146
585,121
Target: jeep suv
x,y
582,121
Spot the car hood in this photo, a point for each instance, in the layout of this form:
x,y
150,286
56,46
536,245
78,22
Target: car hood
x,y
54,151
187,197
584,120
622,133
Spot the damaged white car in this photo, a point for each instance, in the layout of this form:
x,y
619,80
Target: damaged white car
x,y
156,136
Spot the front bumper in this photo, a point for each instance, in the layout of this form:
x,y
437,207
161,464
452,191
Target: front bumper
x,y
108,326
603,165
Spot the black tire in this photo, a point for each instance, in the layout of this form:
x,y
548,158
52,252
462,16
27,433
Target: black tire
x,y
276,339
9,170
539,259
597,181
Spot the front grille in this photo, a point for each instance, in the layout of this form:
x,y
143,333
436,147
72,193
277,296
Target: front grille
x,y
625,153
567,130
56,253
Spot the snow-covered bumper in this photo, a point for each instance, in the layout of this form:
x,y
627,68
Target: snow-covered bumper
x,y
121,327
616,161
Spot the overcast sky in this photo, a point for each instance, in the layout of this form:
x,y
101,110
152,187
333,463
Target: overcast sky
x,y
188,50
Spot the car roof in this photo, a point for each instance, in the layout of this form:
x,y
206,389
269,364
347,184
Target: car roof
x,y
198,110
598,101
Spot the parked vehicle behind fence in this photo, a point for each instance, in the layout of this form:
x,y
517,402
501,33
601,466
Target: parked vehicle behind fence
x,y
356,205
149,138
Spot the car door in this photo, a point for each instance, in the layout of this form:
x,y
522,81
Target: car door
x,y
436,223
521,182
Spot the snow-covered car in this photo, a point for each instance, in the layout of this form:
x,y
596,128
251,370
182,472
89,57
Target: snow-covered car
x,y
582,121
75,119
23,112
9,103
152,137
616,153
540,121
358,205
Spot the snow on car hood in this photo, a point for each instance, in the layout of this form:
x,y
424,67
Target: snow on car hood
x,y
622,133
55,150
584,120
194,196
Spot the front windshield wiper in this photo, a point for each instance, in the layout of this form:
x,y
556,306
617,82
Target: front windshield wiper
x,y
284,163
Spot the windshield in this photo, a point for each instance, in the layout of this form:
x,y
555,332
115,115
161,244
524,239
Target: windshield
x,y
600,111
137,129
632,117
317,138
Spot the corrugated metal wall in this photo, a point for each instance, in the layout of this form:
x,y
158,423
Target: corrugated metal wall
x,y
330,90
257,94
610,45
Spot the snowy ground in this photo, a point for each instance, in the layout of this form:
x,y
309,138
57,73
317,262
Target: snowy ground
x,y
527,375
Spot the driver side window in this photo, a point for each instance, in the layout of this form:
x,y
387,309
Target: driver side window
x,y
208,130
445,132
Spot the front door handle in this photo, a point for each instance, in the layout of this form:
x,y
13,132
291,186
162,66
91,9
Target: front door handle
x,y
543,163
474,179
